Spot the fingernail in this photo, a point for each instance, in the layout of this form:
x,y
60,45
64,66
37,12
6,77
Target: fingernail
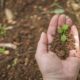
x,y
42,35
67,17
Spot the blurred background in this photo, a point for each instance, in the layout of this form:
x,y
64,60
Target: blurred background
x,y
21,23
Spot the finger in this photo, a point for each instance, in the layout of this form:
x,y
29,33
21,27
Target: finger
x,y
69,22
52,28
76,36
42,44
61,21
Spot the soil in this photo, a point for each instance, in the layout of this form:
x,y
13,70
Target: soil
x,y
63,50
25,35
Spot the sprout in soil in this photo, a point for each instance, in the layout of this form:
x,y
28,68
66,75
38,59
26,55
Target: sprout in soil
x,y
63,31
3,30
14,63
2,50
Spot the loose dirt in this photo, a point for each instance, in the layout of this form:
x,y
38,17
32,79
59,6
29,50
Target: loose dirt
x,y
62,49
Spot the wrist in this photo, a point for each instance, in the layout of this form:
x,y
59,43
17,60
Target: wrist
x,y
49,78
56,79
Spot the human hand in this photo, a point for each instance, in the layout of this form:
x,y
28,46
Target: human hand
x,y
52,67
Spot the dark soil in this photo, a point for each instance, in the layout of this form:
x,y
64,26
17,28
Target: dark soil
x,y
25,35
63,50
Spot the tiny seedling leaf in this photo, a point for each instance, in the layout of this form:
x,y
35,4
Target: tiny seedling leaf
x,y
58,11
3,30
63,38
2,50
64,27
40,7
60,31
14,64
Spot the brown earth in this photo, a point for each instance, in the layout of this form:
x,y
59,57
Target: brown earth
x,y
63,50
25,35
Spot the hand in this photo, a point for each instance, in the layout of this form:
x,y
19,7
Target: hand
x,y
52,67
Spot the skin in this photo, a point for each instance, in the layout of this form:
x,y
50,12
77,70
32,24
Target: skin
x,y
51,66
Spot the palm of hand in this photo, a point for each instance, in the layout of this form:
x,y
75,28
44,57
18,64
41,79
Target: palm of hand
x,y
53,67
50,65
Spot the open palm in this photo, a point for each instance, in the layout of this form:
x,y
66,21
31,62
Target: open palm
x,y
51,67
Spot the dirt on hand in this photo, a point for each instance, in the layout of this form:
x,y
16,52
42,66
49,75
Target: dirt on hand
x,y
62,48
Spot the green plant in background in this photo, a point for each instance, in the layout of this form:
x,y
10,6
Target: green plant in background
x,y
3,30
40,7
14,63
79,3
56,11
2,50
63,31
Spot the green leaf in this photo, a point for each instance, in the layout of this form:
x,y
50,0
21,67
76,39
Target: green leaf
x,y
79,3
14,64
3,32
4,27
2,50
64,27
58,11
60,31
63,38
40,7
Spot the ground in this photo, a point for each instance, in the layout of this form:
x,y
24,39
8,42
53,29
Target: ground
x,y
25,33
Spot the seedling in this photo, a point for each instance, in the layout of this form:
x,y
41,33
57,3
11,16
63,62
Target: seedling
x,y
3,30
56,11
40,7
14,63
63,31
63,38
2,50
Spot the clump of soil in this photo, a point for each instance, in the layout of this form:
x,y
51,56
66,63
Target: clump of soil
x,y
62,48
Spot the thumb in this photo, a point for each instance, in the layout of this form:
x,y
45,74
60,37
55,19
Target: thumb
x,y
42,44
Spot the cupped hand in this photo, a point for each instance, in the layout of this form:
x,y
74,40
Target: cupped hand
x,y
51,66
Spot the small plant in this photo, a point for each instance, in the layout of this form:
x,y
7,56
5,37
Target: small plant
x,y
63,31
2,50
14,63
3,30
40,7
56,11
